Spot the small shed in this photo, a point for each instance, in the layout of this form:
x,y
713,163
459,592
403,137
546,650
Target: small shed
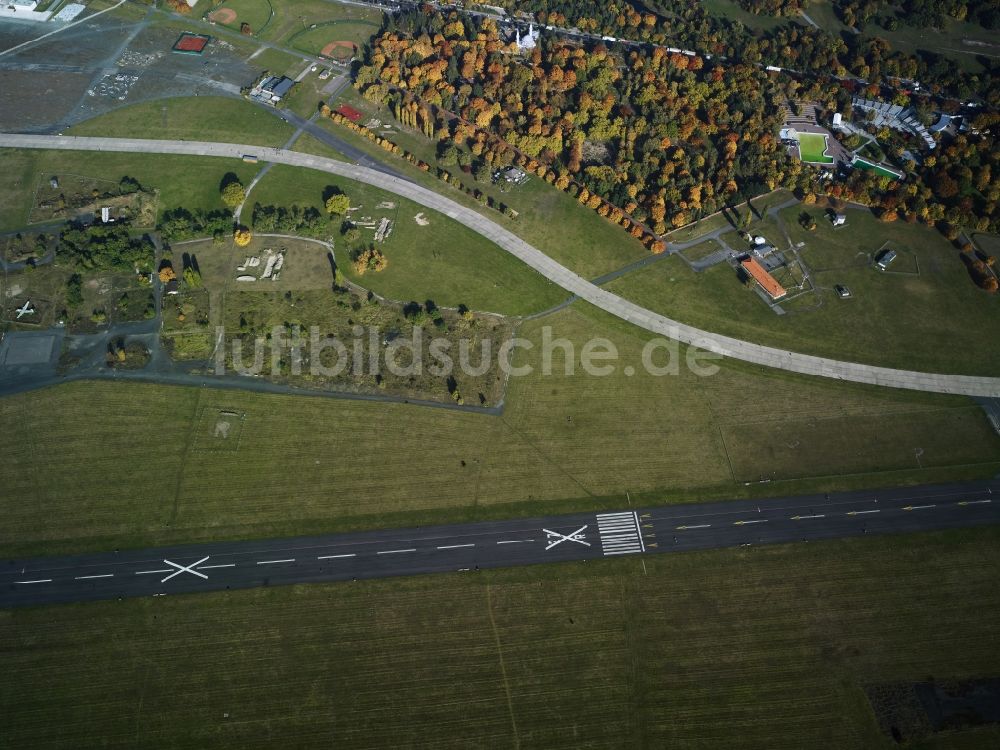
x,y
838,220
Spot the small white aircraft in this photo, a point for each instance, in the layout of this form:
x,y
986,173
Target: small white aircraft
x,y
26,309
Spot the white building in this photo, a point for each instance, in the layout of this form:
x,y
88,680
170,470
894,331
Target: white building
x,y
527,42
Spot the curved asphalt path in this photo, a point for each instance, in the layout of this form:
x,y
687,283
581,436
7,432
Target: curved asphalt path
x,y
658,324
494,544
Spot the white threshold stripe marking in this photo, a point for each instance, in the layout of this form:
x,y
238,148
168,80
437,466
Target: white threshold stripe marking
x,y
394,551
274,562
334,557
457,546
40,580
146,572
629,551
210,567
103,575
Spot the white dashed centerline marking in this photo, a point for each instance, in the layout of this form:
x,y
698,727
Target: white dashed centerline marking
x,y
457,546
918,507
515,541
861,512
40,580
211,567
744,523
334,557
84,578
274,562
975,502
394,551
698,526
803,518
148,572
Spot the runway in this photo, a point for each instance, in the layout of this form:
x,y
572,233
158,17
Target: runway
x,y
467,548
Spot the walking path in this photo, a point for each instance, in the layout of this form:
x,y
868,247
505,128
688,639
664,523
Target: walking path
x,y
536,259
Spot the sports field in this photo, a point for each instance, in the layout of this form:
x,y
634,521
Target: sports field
x,y
234,13
335,39
812,148
766,647
868,166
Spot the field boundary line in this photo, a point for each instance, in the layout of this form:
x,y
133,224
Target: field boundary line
x,y
503,666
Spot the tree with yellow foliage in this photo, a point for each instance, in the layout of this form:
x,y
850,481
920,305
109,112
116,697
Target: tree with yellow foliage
x,y
242,236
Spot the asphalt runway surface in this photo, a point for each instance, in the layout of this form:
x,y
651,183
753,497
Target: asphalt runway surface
x,y
495,544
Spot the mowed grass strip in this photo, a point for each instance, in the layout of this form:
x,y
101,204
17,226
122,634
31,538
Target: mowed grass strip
x,y
305,465
182,181
191,118
767,647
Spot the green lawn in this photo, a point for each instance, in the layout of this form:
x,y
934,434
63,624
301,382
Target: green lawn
x,y
194,118
314,40
732,11
812,148
185,181
701,250
97,472
766,647
294,17
868,166
277,62
934,322
442,261
256,13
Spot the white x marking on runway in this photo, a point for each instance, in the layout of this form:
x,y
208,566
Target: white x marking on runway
x,y
185,569
575,536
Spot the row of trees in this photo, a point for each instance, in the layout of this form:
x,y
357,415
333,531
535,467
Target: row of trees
x,y
681,23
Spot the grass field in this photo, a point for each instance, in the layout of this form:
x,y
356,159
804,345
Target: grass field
x,y
297,17
868,166
933,322
314,41
194,118
702,250
442,261
767,647
812,148
256,13
182,181
114,475
732,11
278,63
